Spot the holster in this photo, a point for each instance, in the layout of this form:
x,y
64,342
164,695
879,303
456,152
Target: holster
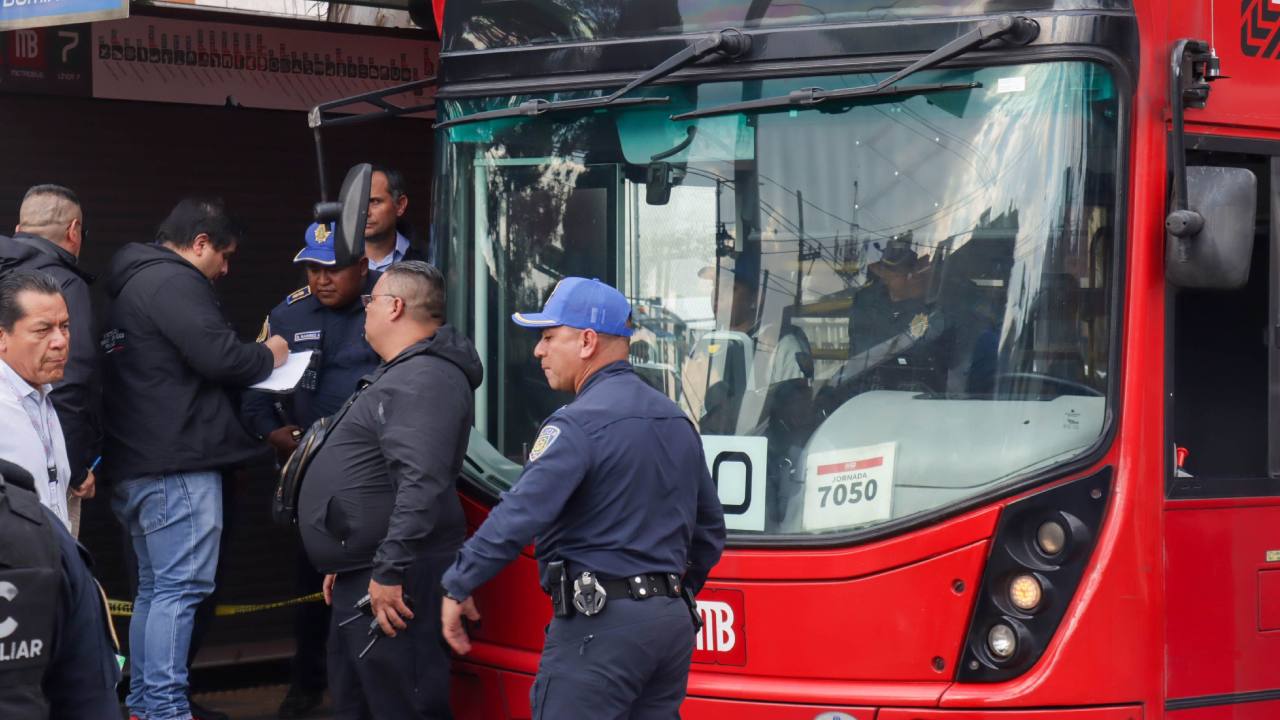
x,y
555,581
692,604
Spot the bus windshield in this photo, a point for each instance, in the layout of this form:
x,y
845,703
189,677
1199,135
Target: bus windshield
x,y
870,310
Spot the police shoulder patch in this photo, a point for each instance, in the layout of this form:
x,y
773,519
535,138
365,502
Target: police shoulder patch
x,y
265,332
299,294
545,440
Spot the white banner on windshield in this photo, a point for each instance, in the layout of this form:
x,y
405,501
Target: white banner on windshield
x,y
843,488
737,464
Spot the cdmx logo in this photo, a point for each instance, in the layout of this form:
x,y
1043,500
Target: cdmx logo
x,y
1260,28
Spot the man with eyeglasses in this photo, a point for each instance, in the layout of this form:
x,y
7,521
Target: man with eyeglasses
x,y
326,317
378,510
48,239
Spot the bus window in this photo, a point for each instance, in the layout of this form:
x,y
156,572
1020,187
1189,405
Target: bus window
x,y
868,313
1223,368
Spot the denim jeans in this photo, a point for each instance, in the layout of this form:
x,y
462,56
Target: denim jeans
x,y
175,524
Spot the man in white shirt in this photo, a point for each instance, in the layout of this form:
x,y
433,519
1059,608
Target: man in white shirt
x,y
35,334
383,244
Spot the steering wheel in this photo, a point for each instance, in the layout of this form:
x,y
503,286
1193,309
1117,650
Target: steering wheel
x,y
1080,388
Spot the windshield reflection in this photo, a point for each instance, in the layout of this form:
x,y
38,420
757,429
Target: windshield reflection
x,y
904,302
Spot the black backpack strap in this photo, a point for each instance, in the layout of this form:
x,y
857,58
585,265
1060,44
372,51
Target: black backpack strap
x,y
284,503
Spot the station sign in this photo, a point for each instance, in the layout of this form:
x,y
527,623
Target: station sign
x,y
25,14
210,62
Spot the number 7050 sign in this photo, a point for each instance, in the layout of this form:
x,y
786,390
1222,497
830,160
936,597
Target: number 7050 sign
x,y
848,487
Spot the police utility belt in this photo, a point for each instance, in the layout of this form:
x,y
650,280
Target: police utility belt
x,y
589,594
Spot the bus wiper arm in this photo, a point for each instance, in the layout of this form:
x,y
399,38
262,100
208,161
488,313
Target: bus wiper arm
x,y
538,106
729,42
809,97
1016,30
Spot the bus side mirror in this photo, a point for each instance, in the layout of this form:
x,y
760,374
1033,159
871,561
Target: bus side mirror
x,y
349,214
1210,243
657,186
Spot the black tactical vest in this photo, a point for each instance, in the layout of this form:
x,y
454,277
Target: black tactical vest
x,y
30,569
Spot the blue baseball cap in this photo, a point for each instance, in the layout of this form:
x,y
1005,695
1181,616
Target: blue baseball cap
x,y
583,304
319,249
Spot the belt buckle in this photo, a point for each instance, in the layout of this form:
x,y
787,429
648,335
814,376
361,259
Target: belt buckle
x,y
589,597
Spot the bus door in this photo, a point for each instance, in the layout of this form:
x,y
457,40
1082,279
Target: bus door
x,y
1222,514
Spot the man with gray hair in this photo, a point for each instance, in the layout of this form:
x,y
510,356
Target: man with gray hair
x,y
378,511
34,340
47,239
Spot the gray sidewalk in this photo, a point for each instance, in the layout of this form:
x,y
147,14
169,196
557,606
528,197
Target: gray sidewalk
x,y
257,703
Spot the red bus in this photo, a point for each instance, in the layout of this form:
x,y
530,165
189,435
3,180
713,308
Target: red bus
x,y
976,305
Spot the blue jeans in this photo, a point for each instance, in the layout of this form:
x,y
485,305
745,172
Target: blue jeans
x,y
175,523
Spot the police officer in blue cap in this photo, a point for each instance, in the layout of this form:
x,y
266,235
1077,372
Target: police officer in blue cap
x,y
625,516
326,317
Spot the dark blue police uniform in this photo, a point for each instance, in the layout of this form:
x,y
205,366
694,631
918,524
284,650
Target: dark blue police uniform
x,y
616,485
341,356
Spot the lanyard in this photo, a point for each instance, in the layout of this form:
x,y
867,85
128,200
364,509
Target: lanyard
x,y
39,419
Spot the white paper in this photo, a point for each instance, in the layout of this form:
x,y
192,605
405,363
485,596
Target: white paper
x,y
285,378
738,465
1011,84
849,487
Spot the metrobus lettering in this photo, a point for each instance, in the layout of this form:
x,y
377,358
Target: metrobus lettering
x,y
717,634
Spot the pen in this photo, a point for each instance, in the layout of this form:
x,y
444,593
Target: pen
x,y
94,466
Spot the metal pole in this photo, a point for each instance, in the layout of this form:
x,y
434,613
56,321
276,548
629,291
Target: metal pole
x,y
324,181
800,248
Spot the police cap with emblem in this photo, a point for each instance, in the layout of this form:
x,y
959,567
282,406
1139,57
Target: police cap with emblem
x,y
584,304
319,249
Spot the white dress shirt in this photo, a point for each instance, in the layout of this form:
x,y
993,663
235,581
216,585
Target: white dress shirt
x,y
31,437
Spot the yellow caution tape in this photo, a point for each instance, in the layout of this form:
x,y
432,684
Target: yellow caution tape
x,y
124,608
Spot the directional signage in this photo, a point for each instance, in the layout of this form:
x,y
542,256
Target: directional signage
x,y
208,62
20,14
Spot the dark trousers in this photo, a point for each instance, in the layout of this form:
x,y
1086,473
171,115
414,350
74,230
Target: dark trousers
x,y
310,630
631,662
403,677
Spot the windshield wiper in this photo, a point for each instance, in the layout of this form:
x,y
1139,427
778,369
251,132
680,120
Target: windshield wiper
x,y
1016,30
811,96
729,42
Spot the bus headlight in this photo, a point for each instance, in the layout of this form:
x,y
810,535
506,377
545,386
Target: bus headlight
x,y
1051,538
1025,592
1002,641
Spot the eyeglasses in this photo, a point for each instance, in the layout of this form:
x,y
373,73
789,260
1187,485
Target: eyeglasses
x,y
366,300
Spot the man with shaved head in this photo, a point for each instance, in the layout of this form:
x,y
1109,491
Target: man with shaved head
x,y
47,239
378,510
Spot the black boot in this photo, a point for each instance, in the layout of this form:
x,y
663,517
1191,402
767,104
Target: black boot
x,y
299,703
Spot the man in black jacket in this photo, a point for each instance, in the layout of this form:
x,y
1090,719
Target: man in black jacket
x,y
171,427
48,238
58,659
379,512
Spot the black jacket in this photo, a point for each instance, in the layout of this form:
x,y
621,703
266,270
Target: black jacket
x,y
381,491
73,674
77,398
171,358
